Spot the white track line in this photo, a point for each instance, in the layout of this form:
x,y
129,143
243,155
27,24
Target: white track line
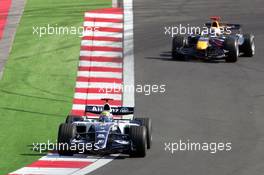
x,y
77,157
64,158
104,15
99,163
47,171
128,66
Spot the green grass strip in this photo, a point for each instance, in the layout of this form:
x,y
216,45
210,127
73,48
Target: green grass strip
x,y
39,78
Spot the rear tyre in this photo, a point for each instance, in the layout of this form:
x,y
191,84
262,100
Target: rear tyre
x,y
177,42
231,46
65,134
73,118
248,47
138,136
148,124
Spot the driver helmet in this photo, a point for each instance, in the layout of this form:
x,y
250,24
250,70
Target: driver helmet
x,y
105,116
215,31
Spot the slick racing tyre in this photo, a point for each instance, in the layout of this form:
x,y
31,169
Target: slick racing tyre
x,y
138,136
177,42
232,48
248,47
73,118
148,124
65,134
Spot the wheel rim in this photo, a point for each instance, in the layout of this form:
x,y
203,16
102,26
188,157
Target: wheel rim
x,y
237,50
253,47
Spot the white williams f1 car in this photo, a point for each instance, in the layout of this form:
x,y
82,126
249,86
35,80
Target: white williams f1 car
x,y
105,135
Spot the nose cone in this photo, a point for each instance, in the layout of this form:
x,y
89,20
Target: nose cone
x,y
202,45
101,140
101,135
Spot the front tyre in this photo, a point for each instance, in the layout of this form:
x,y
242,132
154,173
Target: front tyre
x,y
65,134
248,47
177,43
148,124
231,46
138,136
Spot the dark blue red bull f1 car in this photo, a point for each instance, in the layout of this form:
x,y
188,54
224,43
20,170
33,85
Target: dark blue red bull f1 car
x,y
221,41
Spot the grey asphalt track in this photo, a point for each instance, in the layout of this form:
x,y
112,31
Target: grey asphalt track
x,y
204,102
13,19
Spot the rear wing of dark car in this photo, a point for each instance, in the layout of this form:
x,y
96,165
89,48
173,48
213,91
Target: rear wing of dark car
x,y
231,26
114,110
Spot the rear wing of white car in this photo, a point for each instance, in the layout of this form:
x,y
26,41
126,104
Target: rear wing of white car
x,y
114,110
